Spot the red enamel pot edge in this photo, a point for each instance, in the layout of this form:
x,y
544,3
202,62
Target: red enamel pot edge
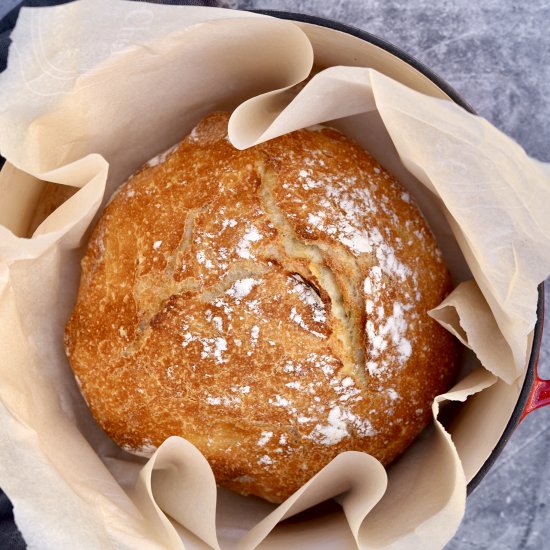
x,y
535,392
539,394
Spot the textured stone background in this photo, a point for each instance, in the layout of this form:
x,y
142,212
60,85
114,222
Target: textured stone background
x,y
496,54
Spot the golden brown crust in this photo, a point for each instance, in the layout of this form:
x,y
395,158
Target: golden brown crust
x,y
268,305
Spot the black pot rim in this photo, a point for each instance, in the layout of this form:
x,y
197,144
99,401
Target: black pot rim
x,y
517,413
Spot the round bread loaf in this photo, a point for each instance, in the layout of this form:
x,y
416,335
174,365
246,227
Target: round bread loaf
x,y
268,305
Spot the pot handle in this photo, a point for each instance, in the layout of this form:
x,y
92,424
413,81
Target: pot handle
x,y
538,397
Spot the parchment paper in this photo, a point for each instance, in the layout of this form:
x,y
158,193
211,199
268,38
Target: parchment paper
x,y
94,89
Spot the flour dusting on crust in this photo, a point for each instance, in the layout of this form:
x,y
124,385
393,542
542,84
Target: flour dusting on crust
x,y
268,305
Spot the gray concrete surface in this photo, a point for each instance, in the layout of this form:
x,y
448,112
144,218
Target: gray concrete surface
x,y
496,54
6,5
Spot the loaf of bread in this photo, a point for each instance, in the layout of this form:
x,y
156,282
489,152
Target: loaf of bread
x,y
268,305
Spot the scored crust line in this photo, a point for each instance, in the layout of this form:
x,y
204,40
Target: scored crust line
x,y
239,271
351,327
349,320
186,240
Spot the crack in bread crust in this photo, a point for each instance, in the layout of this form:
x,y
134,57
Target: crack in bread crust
x,y
190,286
350,323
